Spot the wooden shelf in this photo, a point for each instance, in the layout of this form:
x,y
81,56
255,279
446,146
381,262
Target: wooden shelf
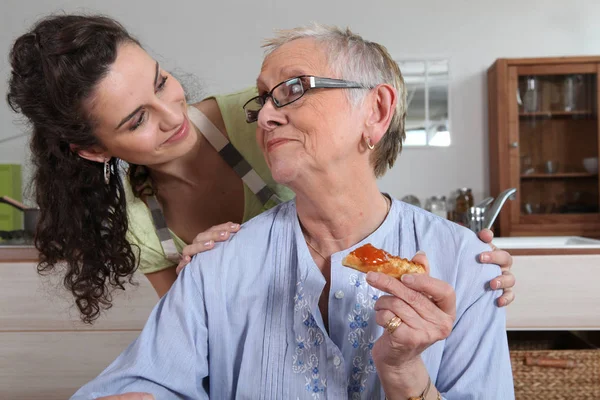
x,y
559,175
550,114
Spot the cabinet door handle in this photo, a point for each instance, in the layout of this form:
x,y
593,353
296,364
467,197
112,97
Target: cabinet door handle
x,y
514,145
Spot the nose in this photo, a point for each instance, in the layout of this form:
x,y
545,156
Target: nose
x,y
170,115
270,116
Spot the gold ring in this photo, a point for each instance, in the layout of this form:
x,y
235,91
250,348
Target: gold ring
x,y
392,324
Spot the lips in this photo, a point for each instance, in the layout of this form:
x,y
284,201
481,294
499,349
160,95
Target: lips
x,y
273,143
181,132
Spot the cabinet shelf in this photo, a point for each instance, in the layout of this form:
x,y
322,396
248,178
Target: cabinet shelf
x,y
550,114
560,175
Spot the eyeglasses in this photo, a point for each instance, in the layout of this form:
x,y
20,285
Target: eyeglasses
x,y
293,89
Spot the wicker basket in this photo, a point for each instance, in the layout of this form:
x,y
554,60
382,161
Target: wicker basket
x,y
543,370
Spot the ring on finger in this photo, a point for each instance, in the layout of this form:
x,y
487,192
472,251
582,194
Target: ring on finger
x,y
393,324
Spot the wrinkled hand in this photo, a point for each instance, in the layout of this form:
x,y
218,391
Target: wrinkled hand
x,y
507,280
206,240
129,396
427,307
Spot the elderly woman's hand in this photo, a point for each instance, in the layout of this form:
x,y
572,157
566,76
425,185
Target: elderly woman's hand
x,y
427,309
507,280
205,241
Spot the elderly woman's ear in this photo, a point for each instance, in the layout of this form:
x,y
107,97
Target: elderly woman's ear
x,y
381,107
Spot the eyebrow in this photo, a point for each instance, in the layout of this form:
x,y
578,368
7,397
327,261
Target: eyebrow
x,y
293,72
127,118
259,81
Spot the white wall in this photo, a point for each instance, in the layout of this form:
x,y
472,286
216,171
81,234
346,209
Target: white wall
x,y
219,42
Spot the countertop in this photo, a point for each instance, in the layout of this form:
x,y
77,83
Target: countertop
x,y
25,253
16,253
551,252
548,245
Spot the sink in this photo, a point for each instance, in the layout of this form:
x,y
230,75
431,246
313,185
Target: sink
x,y
546,242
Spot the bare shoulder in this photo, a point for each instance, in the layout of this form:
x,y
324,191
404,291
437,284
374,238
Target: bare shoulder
x,y
162,280
210,108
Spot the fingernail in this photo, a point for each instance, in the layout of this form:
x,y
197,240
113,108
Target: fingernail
x,y
188,258
209,243
372,277
498,285
420,252
223,234
234,226
407,278
485,257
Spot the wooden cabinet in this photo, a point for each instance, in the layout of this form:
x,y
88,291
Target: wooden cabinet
x,y
541,293
45,351
544,141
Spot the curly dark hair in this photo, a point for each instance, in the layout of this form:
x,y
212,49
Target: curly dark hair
x,y
83,221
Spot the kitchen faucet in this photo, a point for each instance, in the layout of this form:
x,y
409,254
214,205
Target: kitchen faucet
x,y
481,217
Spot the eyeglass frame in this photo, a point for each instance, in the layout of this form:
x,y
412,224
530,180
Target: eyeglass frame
x,y
314,82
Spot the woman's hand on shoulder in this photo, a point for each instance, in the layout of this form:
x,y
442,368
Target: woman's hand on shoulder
x,y
206,241
507,280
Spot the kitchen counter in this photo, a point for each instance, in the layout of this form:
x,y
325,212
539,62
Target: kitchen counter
x,y
548,245
556,287
556,290
46,352
556,282
15,253
552,252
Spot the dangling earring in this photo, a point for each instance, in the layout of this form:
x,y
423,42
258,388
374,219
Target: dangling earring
x,y
107,171
370,145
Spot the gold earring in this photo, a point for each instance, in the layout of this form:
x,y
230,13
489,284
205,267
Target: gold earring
x,y
370,145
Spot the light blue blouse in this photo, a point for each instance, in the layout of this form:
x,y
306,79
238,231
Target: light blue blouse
x,y
242,321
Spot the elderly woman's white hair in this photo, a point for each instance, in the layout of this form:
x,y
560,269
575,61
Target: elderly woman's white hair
x,y
355,59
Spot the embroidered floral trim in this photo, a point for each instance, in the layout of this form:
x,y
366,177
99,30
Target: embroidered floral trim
x,y
362,335
305,360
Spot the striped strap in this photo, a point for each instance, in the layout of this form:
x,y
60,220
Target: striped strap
x,y
162,231
233,158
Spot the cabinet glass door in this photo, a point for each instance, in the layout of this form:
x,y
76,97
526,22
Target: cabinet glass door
x,y
558,142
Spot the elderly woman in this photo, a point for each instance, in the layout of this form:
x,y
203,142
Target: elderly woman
x,y
272,313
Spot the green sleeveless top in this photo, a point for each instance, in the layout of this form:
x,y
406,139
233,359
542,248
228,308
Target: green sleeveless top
x,y
242,136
